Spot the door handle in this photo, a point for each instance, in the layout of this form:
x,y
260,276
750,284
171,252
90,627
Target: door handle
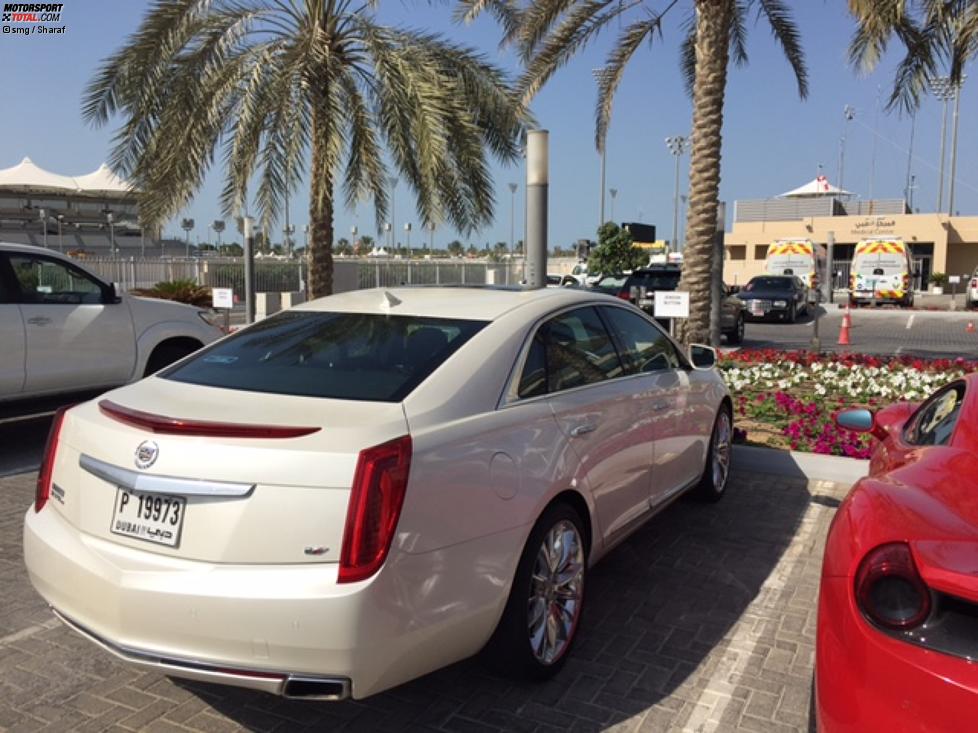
x,y
39,321
660,406
579,430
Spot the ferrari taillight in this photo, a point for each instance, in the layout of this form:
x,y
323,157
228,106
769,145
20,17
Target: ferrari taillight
x,y
890,591
624,295
45,474
379,484
974,282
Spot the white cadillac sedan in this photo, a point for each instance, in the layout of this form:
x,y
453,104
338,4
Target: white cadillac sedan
x,y
371,486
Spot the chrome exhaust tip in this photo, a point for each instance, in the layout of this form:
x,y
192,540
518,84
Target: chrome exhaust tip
x,y
298,687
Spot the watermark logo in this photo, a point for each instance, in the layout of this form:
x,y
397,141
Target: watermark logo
x,y
32,19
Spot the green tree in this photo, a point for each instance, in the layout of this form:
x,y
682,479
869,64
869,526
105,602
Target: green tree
x,y
615,252
549,33
343,246
314,88
456,248
939,38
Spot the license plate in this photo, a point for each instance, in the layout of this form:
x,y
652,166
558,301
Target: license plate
x,y
645,302
151,517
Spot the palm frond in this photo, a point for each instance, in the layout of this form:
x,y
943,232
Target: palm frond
x,y
786,33
613,71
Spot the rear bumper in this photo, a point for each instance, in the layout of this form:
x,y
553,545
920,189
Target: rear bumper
x,y
258,625
868,681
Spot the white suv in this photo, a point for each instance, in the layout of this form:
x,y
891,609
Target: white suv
x,y
971,295
63,330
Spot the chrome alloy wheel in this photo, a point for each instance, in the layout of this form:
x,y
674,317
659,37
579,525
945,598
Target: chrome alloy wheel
x,y
556,590
721,451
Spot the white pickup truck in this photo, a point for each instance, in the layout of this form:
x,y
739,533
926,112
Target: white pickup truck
x,y
63,330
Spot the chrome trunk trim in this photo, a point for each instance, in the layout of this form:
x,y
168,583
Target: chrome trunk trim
x,y
136,481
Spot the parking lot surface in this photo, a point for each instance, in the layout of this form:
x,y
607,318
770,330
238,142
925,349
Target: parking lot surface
x,y
702,621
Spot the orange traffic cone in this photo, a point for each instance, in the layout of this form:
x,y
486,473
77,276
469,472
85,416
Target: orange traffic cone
x,y
847,318
844,330
970,328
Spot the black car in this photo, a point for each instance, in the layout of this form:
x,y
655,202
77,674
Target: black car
x,y
639,286
784,297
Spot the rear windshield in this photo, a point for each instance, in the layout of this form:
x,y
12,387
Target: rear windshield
x,y
663,280
610,284
769,283
346,356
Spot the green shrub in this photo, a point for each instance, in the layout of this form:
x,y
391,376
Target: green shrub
x,y
182,291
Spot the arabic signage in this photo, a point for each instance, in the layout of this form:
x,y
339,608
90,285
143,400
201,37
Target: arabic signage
x,y
874,225
671,304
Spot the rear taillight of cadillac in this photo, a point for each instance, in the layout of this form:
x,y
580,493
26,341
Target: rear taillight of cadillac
x,y
379,485
45,475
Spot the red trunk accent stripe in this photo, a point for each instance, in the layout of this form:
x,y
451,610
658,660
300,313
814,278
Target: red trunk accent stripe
x,y
201,428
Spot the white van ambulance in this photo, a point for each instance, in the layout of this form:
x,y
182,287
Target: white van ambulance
x,y
881,272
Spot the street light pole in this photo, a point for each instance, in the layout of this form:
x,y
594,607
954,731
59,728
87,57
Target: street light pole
x,y
677,145
941,88
407,234
512,218
393,182
61,239
43,215
954,145
109,218
614,193
599,76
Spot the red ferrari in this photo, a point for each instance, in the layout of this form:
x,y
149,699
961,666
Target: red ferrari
x,y
897,638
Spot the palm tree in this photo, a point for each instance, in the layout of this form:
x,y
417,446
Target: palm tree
x,y
280,89
939,38
549,33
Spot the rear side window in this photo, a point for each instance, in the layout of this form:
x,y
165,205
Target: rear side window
x,y
49,281
571,350
348,356
933,423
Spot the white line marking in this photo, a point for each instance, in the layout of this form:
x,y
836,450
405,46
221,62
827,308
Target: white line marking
x,y
910,320
739,643
29,631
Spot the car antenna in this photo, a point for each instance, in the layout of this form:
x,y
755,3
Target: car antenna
x,y
389,301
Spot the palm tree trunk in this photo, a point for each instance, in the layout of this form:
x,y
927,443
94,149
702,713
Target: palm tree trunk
x,y
712,55
320,209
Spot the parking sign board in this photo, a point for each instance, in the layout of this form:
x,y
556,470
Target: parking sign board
x,y
671,304
223,297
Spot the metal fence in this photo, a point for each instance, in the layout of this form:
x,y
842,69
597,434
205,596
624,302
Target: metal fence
x,y
290,275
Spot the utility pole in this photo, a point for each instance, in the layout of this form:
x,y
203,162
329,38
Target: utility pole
x,y
677,145
848,113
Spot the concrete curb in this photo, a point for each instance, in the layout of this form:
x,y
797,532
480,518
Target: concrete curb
x,y
795,464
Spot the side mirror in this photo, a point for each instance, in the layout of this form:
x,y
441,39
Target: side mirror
x,y
703,357
855,420
733,289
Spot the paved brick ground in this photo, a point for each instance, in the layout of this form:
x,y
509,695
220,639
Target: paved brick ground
x,y
703,621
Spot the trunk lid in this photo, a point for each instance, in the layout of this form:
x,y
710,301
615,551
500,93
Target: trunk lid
x,y
247,499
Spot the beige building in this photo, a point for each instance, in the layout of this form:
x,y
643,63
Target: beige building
x,y
939,243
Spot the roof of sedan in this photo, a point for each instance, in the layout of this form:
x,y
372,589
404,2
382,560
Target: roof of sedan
x,y
483,303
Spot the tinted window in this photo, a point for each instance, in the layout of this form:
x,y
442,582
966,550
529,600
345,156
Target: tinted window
x,y
933,423
533,380
50,281
610,284
661,280
646,348
352,356
578,350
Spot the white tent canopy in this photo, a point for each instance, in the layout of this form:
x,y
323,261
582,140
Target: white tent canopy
x,y
102,180
819,186
26,177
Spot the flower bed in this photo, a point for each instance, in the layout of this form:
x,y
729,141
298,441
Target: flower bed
x,y
786,399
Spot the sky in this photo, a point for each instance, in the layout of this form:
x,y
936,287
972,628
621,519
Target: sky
x,y
772,140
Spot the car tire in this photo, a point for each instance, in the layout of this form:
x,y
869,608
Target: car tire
x,y
736,336
716,470
513,649
168,352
